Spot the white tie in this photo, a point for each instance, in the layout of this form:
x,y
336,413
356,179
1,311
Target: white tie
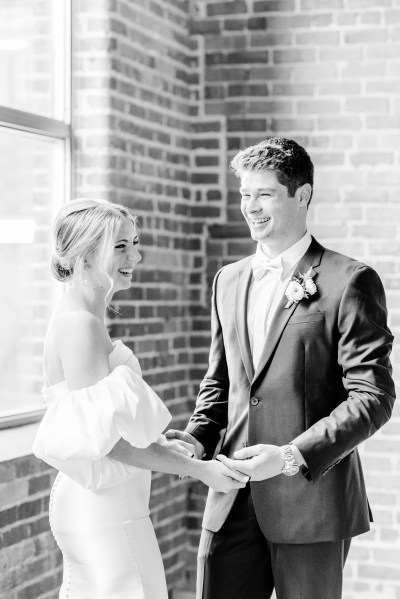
x,y
262,265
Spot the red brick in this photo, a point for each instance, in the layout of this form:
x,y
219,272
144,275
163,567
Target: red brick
x,y
383,86
368,36
274,5
347,53
293,56
392,16
234,24
243,89
383,122
233,42
283,125
270,38
371,18
361,70
247,57
380,572
268,72
318,38
367,105
246,124
267,106
321,4
318,107
373,158
213,92
366,3
368,231
255,23
339,123
224,74
205,27
345,88
293,89
7,472
311,73
226,8
386,51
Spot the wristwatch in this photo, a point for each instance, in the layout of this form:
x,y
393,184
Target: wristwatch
x,y
290,466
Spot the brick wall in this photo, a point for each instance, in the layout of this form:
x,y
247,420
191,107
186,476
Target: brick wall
x,y
30,563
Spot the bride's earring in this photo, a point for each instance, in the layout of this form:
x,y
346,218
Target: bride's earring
x,y
85,272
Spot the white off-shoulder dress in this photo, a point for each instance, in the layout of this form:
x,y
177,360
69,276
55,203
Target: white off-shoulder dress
x,y
99,508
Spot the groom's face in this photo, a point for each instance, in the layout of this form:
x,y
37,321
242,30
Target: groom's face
x,y
274,218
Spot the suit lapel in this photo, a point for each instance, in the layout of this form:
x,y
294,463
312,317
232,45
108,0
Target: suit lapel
x,y
242,294
311,258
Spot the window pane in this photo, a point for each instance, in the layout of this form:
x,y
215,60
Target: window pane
x,y
31,189
32,56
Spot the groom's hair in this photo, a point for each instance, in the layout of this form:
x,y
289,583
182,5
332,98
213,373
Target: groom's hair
x,y
289,160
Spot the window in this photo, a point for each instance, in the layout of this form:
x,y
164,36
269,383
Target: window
x,y
34,182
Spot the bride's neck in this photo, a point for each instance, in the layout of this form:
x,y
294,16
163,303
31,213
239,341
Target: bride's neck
x,y
93,298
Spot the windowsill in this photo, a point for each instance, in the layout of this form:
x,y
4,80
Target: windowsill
x,y
17,442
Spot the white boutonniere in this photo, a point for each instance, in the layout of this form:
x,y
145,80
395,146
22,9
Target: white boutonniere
x,y
300,287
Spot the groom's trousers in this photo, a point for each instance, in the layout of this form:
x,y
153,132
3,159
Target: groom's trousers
x,y
238,562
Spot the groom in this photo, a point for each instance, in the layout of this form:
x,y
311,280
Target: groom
x,y
299,375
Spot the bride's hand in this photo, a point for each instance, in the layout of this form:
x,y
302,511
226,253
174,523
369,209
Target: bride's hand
x,y
221,479
183,436
178,446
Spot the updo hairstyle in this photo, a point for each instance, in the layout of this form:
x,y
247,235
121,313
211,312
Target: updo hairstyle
x,y
82,227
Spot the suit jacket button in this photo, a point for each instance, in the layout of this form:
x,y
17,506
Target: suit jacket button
x,y
254,401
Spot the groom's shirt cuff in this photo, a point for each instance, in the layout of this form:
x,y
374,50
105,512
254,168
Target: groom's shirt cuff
x,y
298,455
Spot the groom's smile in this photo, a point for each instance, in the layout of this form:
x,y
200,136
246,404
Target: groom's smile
x,y
274,218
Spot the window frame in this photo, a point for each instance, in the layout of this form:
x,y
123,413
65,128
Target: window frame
x,y
50,128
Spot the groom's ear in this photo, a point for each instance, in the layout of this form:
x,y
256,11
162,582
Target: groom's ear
x,y
303,194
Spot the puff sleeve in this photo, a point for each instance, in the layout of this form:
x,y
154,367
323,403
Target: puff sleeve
x,y
84,425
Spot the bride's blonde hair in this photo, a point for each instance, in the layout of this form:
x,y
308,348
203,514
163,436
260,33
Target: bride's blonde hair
x,y
82,227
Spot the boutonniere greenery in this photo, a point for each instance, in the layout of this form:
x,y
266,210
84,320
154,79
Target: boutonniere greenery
x,y
300,287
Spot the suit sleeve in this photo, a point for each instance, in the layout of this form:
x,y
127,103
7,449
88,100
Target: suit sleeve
x,y
364,346
211,414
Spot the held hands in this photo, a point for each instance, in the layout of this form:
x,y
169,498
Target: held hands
x,y
182,447
220,478
258,461
187,438
212,473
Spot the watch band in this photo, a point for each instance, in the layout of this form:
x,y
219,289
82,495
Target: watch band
x,y
290,466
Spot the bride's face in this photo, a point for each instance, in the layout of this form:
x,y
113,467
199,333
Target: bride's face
x,y
124,258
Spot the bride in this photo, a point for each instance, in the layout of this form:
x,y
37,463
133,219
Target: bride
x,y
103,425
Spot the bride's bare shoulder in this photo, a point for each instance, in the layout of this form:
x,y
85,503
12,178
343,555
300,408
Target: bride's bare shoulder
x,y
77,348
72,327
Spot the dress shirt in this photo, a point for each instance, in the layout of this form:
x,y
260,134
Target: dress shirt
x,y
265,295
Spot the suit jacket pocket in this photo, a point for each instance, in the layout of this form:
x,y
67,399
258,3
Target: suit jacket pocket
x,y
307,317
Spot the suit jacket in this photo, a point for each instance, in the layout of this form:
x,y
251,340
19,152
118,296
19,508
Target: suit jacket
x,y
323,382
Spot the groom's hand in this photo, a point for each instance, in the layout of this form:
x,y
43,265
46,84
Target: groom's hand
x,y
257,461
187,438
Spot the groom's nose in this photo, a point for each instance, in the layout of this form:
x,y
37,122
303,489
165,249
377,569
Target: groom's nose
x,y
253,205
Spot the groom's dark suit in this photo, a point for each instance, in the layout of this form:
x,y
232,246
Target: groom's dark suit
x,y
323,382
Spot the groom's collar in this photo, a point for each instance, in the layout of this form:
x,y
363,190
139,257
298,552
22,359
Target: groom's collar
x,y
313,255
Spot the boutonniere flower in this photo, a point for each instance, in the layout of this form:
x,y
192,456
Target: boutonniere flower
x,y
300,287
